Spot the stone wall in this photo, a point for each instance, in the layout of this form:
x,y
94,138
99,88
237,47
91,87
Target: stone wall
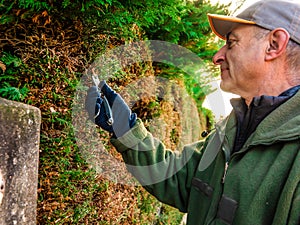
x,y
19,155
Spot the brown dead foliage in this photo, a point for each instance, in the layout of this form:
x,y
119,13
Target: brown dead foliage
x,y
57,52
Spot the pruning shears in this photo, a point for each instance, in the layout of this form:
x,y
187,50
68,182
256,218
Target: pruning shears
x,y
108,111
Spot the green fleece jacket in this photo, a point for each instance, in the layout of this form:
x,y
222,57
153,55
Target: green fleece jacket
x,y
259,185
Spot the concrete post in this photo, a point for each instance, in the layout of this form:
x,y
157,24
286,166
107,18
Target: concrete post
x,y
19,155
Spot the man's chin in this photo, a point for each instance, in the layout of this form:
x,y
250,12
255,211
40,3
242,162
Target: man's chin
x,y
225,86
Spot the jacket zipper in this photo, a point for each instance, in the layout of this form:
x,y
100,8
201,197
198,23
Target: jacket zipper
x,y
225,172
228,159
227,155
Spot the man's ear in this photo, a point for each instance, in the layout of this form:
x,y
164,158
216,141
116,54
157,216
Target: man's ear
x,y
278,40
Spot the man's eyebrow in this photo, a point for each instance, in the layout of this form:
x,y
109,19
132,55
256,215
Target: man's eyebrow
x,y
227,35
231,33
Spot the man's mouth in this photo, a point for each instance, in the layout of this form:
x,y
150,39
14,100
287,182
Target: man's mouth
x,y
224,72
224,69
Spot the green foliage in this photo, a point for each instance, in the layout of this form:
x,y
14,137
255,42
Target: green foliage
x,y
10,60
13,93
33,4
156,211
169,216
9,78
84,4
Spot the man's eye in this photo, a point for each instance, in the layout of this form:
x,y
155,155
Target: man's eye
x,y
230,43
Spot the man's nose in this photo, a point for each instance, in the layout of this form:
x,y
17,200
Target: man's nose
x,y
220,56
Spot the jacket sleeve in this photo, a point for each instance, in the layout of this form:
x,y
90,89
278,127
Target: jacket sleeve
x,y
164,173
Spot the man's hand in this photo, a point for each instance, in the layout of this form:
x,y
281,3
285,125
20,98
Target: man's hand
x,y
121,113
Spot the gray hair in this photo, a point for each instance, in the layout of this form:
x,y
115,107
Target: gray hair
x,y
293,60
292,55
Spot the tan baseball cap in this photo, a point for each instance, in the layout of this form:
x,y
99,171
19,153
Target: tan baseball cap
x,y
269,14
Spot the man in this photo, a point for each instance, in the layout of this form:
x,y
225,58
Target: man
x,y
247,171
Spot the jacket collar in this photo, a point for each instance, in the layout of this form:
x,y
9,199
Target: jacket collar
x,y
248,118
281,124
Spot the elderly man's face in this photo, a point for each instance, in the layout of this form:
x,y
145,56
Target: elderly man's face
x,y
241,61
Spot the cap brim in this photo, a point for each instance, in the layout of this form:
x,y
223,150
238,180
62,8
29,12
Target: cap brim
x,y
221,25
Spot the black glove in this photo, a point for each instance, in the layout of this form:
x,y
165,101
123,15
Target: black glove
x,y
122,117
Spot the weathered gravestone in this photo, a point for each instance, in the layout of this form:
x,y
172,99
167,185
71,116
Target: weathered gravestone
x,y
19,151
